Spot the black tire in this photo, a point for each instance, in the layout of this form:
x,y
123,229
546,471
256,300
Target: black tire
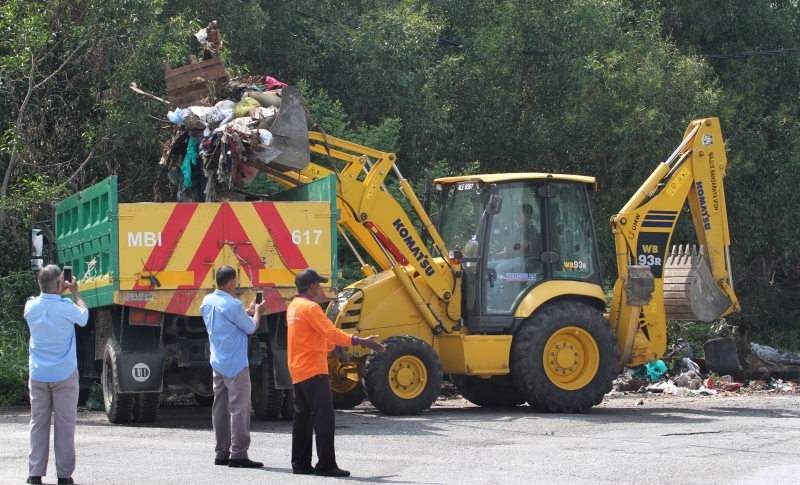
x,y
145,406
266,399
349,399
204,401
721,357
118,406
584,383
411,357
287,409
488,393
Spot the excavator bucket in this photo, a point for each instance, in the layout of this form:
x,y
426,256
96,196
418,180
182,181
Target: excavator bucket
x,y
290,133
690,292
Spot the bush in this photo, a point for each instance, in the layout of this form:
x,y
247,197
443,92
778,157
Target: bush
x,y
13,381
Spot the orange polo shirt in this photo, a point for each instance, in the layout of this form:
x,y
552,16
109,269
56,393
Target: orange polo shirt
x,y
311,335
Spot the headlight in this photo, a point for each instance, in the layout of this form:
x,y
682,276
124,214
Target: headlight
x,y
335,306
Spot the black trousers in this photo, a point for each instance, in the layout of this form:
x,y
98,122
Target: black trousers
x,y
313,413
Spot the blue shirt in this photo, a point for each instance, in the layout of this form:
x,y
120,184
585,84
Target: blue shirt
x,y
52,321
228,326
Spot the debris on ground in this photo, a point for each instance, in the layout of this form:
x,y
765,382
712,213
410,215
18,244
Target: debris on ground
x,y
679,373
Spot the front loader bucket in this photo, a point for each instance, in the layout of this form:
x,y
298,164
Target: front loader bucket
x,y
690,292
290,133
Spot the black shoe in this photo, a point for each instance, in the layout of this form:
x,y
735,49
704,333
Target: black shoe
x,y
65,481
221,462
333,472
34,480
303,471
244,463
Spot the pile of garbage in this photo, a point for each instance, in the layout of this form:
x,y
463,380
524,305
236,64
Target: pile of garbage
x,y
229,130
681,374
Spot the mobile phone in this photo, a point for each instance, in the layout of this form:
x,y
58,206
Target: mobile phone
x,y
67,274
259,297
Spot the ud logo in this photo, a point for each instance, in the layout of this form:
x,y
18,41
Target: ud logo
x,y
141,372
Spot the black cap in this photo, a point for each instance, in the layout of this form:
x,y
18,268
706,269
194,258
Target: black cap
x,y
307,277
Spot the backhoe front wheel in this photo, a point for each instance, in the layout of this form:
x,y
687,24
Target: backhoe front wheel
x,y
405,379
564,357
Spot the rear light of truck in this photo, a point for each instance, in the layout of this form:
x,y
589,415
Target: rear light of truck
x,y
143,317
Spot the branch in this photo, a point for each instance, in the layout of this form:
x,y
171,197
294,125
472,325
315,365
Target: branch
x,y
88,157
61,66
151,96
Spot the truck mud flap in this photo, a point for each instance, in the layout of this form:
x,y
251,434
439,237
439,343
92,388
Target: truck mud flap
x,y
690,292
279,353
141,371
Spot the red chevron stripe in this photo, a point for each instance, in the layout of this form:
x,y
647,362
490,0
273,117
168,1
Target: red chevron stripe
x,y
272,220
171,233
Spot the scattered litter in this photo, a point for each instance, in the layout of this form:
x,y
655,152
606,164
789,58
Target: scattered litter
x,y
94,405
775,356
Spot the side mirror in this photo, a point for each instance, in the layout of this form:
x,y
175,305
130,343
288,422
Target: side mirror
x,y
495,205
37,264
37,243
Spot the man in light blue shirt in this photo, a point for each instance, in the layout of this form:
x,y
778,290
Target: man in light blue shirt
x,y
53,373
229,325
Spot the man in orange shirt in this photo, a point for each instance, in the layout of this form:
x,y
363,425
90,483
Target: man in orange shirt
x,y
311,335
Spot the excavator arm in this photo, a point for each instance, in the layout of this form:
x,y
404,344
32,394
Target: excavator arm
x,y
655,284
376,220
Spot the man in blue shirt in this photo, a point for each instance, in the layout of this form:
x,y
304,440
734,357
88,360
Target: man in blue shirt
x,y
53,373
229,326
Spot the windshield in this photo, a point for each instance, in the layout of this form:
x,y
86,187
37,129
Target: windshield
x,y
460,212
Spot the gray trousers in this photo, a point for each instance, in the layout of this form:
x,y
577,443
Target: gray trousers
x,y
59,399
230,415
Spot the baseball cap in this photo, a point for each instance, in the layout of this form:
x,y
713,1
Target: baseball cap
x,y
307,277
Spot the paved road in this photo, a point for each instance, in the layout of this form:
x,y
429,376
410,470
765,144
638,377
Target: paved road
x,y
669,440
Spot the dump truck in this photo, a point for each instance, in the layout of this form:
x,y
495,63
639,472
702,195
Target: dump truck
x,y
503,292
144,268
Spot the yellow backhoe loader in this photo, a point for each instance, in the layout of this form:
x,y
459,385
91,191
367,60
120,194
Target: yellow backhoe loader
x,y
506,296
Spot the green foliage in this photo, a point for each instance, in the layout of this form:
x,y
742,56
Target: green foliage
x,y
13,381
14,292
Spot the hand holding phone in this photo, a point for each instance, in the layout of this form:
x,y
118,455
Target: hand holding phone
x,y
67,274
259,297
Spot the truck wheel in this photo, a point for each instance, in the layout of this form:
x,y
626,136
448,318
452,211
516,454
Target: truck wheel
x,y
118,406
287,409
267,401
350,398
406,378
564,357
488,393
145,406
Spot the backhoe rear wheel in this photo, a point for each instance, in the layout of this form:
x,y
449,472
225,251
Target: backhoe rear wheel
x,y
488,393
564,357
405,379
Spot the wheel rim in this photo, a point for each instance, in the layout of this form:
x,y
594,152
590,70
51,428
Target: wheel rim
x,y
408,377
571,358
338,383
